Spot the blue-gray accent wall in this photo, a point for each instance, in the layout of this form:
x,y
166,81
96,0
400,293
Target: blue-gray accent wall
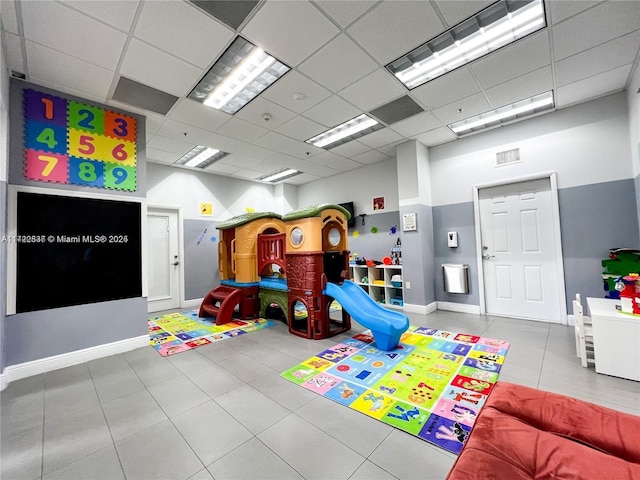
x,y
200,258
3,277
375,245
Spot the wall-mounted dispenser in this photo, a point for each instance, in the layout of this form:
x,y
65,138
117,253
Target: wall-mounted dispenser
x,y
452,239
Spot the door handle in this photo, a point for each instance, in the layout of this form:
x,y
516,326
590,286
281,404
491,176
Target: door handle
x,y
486,256
175,261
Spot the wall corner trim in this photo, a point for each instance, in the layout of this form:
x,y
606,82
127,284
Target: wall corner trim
x,y
459,307
48,364
3,381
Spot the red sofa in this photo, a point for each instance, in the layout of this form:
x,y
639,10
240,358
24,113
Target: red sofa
x,y
524,433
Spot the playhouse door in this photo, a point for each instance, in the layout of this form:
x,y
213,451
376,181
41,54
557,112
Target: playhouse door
x,y
163,259
520,255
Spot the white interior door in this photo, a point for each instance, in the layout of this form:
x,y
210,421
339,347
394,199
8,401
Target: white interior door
x,y
519,251
163,262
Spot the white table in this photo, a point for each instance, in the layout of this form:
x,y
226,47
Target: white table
x,y
616,339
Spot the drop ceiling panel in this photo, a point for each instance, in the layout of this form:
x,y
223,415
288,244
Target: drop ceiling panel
x,y
443,90
470,106
278,27
13,48
224,143
373,90
170,145
231,12
300,128
349,149
282,92
407,24
158,69
416,124
338,64
142,96
455,12
222,168
301,179
301,149
152,125
331,160
380,138
524,56
62,69
177,130
520,88
593,87
65,89
196,114
184,31
332,111
344,12
276,141
8,19
248,155
559,11
248,174
241,130
607,56
372,156
595,26
117,14
83,37
160,156
255,110
436,136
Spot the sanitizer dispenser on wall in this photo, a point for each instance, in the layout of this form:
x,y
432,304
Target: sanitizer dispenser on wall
x,y
452,239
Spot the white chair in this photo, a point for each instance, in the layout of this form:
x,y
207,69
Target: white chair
x,y
583,333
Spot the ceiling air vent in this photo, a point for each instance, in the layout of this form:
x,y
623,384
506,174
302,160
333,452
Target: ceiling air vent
x,y
508,157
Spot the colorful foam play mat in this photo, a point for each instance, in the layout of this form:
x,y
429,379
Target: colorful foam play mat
x,y
431,386
176,332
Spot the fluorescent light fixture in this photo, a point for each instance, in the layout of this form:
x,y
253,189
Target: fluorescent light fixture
x,y
494,27
508,113
278,175
200,157
238,76
349,130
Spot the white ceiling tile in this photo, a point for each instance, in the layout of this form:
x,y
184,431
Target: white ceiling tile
x,y
44,82
349,149
416,124
13,50
595,26
443,90
278,27
302,178
607,56
248,155
337,162
131,108
304,150
152,125
221,168
332,111
559,11
524,56
241,130
338,64
248,174
254,112
282,161
83,37
380,138
472,105
196,114
184,31
373,90
63,69
390,150
8,19
226,144
275,141
282,92
408,23
344,12
117,14
533,83
372,156
593,87
170,145
456,12
158,69
160,156
436,136
300,128
177,130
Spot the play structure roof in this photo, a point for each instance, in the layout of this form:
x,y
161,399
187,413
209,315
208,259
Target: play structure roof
x,y
314,211
246,218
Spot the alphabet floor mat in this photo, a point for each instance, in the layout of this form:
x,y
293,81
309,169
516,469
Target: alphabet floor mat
x,y
431,386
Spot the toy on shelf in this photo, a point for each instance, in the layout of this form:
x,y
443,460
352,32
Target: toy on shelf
x,y
621,262
629,289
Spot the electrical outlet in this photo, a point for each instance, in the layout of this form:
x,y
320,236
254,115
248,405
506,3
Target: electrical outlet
x,y
408,285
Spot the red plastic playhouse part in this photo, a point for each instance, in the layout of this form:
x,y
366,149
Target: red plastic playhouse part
x,y
220,303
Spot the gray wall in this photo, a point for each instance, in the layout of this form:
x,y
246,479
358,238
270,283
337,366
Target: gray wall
x,y
375,246
3,277
456,218
200,258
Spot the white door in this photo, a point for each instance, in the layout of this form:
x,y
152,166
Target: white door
x,y
519,251
163,261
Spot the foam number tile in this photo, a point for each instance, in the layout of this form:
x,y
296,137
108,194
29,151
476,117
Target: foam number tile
x,y
44,108
119,151
119,177
46,167
119,126
86,118
45,136
86,172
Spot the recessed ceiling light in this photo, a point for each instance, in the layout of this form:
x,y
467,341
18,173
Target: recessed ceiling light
x,y
345,132
498,25
508,113
240,74
279,175
200,157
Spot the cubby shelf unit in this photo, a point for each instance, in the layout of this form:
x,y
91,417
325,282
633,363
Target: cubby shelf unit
x,y
376,281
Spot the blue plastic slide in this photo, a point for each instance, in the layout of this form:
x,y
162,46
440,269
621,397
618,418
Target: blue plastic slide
x,y
386,325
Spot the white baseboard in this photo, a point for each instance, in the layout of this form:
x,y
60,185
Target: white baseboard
x,y
420,309
459,307
43,365
192,303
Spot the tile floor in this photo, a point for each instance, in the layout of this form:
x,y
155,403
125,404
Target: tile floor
x,y
222,411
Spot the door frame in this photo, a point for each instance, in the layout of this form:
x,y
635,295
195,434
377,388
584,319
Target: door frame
x,y
159,208
551,176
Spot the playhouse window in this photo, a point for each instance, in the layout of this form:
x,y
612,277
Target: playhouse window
x,y
334,237
296,236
